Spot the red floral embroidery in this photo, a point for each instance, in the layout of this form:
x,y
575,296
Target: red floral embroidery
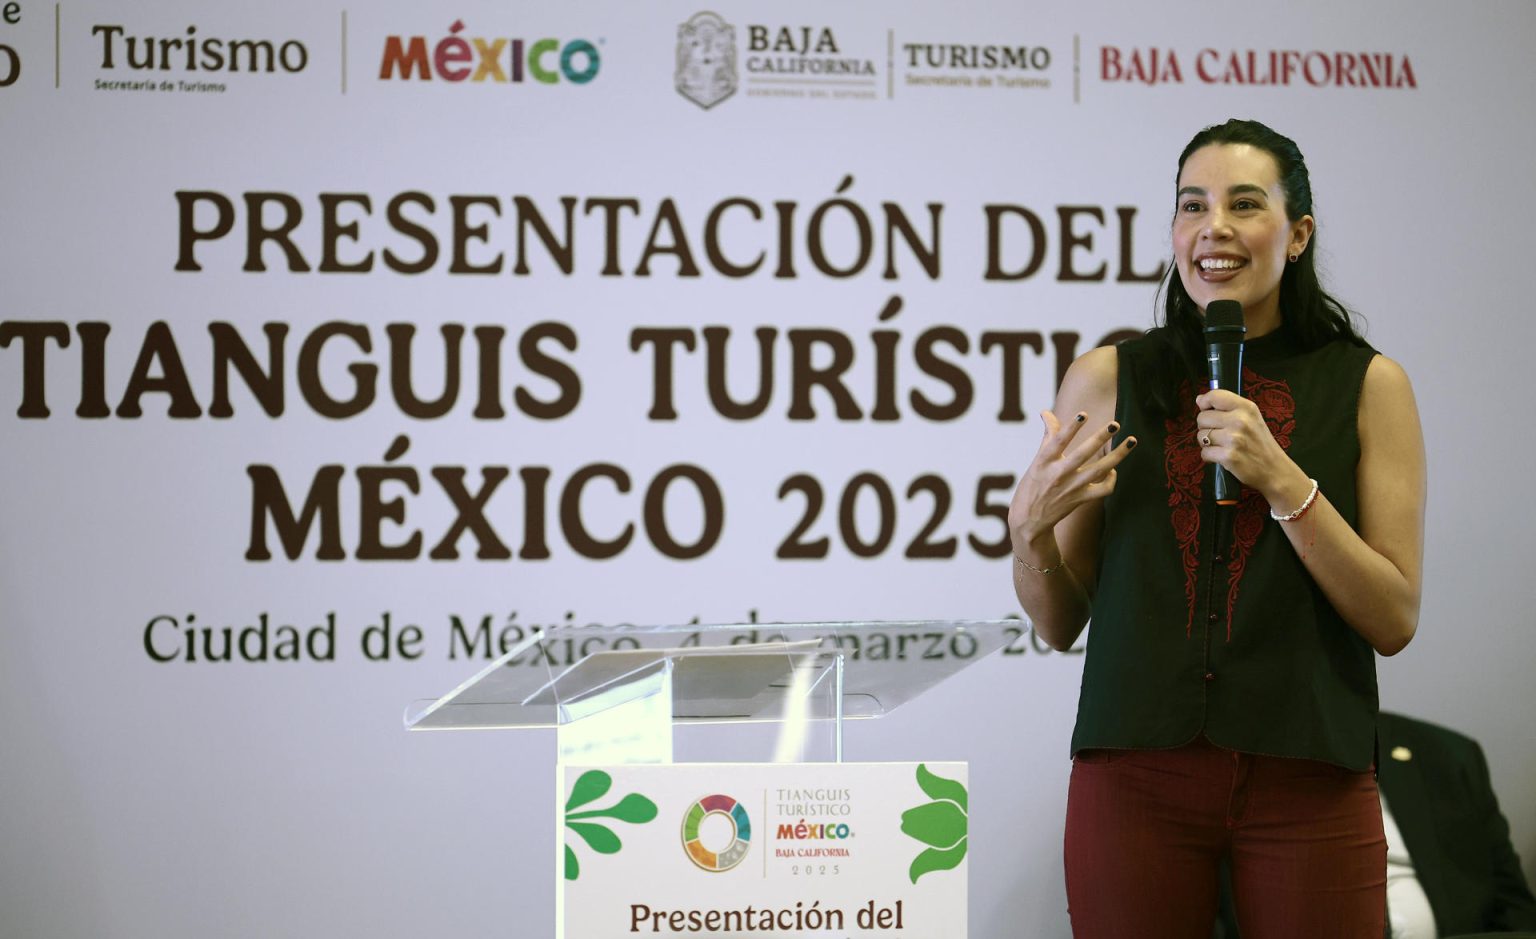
x,y
1186,477
1186,474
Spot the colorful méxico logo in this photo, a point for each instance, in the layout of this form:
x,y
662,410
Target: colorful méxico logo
x,y
741,833
498,59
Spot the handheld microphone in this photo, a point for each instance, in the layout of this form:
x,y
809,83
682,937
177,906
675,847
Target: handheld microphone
x,y
1224,331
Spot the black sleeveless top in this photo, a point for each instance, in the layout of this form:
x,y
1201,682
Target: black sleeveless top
x,y
1204,619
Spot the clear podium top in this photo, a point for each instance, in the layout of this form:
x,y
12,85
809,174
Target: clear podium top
x,y
719,673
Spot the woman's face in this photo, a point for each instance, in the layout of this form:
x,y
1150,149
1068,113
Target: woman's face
x,y
1231,236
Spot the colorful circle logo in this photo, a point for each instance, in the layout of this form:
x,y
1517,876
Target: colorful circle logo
x,y
741,833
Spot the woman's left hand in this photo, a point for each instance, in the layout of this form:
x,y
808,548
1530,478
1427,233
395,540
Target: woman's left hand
x,y
1231,431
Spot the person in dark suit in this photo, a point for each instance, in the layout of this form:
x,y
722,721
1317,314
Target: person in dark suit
x,y
1435,783
1436,788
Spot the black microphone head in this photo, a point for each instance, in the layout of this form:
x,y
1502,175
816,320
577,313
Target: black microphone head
x,y
1224,321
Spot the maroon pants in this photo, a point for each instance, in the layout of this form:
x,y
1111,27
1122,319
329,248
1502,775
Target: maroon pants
x,y
1146,831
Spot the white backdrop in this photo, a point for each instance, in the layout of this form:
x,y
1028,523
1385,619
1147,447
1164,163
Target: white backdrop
x,y
148,798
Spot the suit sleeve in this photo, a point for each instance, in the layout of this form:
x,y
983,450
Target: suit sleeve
x,y
1511,905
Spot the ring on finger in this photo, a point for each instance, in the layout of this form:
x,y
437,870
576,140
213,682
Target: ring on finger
x,y
1205,439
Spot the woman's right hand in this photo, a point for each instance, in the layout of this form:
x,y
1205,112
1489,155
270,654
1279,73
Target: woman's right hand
x,y
1072,467
1056,545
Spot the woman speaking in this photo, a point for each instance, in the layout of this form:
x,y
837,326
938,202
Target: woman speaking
x,y
1228,700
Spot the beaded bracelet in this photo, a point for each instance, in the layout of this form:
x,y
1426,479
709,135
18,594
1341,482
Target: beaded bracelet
x,y
1306,504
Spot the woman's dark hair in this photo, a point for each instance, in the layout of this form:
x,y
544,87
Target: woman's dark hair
x,y
1309,316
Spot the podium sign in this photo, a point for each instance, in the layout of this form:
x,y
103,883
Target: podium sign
x,y
740,849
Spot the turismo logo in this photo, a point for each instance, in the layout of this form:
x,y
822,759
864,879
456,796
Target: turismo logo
x,y
706,60
458,57
1257,67
959,65
189,59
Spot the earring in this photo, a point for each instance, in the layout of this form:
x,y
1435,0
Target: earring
x,y
1294,258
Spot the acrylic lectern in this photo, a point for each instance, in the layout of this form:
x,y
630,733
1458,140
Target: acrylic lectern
x,y
625,694
701,785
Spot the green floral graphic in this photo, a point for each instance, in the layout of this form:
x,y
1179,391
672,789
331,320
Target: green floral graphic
x,y
941,824
591,786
